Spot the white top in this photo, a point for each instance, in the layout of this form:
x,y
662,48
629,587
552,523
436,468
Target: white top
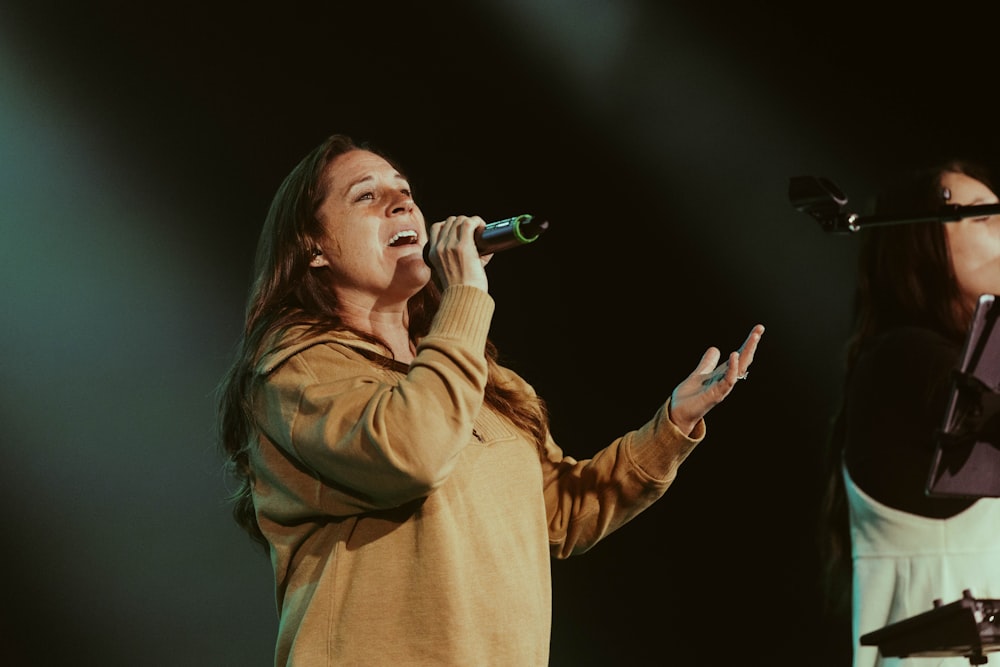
x,y
904,562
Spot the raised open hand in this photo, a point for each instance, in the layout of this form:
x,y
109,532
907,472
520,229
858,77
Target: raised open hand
x,y
711,382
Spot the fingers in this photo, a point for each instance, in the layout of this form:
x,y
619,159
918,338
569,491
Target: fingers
x,y
736,367
709,360
453,251
733,372
747,350
711,370
455,231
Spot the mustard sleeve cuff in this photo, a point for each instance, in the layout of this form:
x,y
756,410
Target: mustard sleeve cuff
x,y
659,447
465,314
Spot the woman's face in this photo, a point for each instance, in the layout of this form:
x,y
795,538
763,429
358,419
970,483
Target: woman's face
x,y
974,243
373,232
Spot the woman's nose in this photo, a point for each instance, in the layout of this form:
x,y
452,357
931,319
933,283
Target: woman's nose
x,y
402,203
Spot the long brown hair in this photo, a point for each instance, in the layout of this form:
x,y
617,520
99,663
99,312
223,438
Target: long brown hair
x,y
905,277
285,293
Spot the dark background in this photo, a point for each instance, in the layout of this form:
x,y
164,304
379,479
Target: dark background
x,y
142,143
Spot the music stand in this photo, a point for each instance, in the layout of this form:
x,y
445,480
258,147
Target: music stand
x,y
967,627
966,461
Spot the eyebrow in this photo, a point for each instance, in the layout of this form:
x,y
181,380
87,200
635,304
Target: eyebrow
x,y
369,177
358,181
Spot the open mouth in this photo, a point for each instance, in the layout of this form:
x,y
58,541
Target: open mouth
x,y
407,237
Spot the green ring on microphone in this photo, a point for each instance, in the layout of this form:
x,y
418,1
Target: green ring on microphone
x,y
526,218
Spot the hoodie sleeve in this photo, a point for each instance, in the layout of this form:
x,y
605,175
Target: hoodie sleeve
x,y
587,500
346,435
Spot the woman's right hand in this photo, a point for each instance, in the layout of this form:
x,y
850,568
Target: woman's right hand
x,y
453,255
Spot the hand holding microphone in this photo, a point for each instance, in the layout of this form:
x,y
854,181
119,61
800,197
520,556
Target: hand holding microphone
x,y
452,269
507,233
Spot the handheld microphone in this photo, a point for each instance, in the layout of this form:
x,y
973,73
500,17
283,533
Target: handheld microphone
x,y
507,233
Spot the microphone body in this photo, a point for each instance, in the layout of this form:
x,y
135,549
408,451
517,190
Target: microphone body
x,y
507,233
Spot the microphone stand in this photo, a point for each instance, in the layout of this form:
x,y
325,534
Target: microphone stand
x,y
825,202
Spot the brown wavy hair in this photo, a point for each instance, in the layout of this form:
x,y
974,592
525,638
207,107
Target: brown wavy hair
x,y
286,293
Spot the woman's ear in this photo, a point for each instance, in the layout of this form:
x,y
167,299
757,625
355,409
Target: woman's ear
x,y
318,259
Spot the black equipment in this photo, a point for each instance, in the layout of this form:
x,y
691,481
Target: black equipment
x,y
824,201
967,627
966,461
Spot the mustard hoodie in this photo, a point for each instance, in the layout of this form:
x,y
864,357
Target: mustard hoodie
x,y
411,525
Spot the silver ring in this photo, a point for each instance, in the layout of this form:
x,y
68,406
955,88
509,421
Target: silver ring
x,y
744,376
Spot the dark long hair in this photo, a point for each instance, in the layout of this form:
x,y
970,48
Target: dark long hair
x,y
905,277
286,293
